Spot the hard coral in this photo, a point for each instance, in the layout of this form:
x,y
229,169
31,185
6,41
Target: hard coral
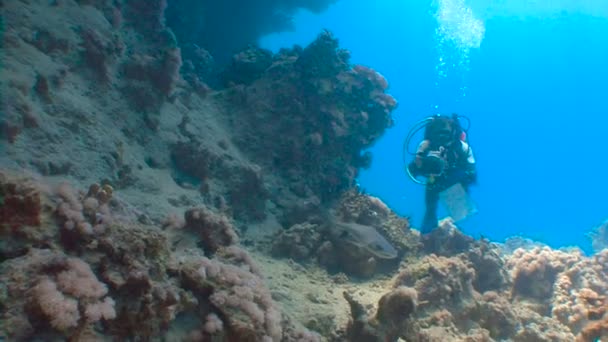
x,y
534,327
360,327
355,206
392,314
298,242
440,281
20,204
594,331
247,65
24,209
312,93
579,294
497,316
247,192
534,272
447,240
215,230
395,307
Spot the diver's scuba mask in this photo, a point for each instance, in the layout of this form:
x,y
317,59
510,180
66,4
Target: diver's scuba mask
x,y
444,137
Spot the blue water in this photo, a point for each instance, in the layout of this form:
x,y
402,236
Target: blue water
x,y
536,93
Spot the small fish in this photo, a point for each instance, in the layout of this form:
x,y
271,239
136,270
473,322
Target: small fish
x,y
365,237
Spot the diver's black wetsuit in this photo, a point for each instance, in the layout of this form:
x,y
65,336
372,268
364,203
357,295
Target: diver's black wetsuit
x,y
460,169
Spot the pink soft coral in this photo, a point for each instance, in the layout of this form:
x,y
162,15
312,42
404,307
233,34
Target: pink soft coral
x,y
96,311
61,310
79,281
72,294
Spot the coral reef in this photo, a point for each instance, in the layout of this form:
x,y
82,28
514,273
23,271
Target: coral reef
x,y
237,292
393,311
299,242
214,231
127,277
448,241
360,208
20,214
158,186
309,116
48,290
548,296
151,79
566,285
221,30
362,238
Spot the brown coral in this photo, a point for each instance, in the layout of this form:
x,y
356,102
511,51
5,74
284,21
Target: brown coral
x,y
21,204
215,230
440,281
594,331
311,91
395,307
298,242
534,272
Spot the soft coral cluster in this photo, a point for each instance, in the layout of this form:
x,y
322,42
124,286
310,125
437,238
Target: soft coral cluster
x,y
59,298
234,300
55,292
241,297
126,282
83,216
240,305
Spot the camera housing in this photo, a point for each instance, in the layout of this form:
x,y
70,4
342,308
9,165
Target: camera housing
x,y
434,163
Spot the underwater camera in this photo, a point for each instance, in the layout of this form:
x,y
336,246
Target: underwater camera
x,y
434,163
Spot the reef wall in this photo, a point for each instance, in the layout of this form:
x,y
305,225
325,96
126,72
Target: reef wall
x,y
138,170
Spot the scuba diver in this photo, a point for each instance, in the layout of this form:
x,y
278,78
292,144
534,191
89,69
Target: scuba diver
x,y
444,157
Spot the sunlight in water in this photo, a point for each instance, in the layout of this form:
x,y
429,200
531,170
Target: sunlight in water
x,y
458,31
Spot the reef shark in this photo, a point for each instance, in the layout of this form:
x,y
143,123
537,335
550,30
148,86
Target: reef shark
x,y
365,237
